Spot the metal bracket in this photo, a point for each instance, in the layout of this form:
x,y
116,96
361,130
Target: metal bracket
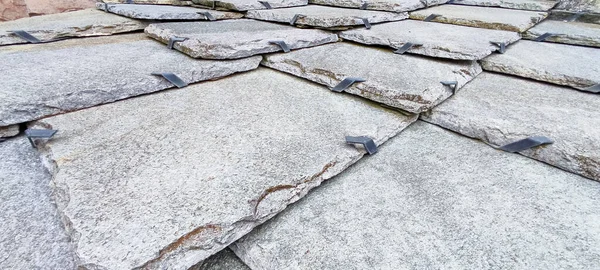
x,y
450,2
295,18
431,17
452,84
214,5
345,83
544,37
407,47
501,46
173,40
574,17
174,79
32,134
207,14
364,5
592,89
366,142
281,44
129,2
104,6
266,4
525,144
366,23
26,36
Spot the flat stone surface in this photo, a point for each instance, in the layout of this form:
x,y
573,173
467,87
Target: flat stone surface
x,y
233,39
325,17
385,5
482,17
431,199
501,109
576,33
152,2
439,40
536,5
410,83
224,260
244,5
176,176
158,12
9,131
587,6
573,66
57,77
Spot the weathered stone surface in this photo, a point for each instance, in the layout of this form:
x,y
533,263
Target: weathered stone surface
x,y
177,176
573,66
431,199
12,10
535,5
33,236
224,260
501,109
233,39
16,9
587,6
83,23
410,83
152,2
158,12
482,17
577,33
9,131
244,5
439,40
58,77
385,5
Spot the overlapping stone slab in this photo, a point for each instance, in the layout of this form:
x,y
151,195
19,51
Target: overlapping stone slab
x,y
561,15
586,6
83,23
244,5
165,180
501,109
384,5
534,5
224,260
431,199
573,66
74,74
482,17
162,12
232,39
151,2
410,83
576,33
438,40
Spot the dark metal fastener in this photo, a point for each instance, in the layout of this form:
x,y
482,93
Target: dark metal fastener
x,y
525,144
281,44
266,4
207,14
32,134
366,23
407,47
501,46
574,17
173,40
26,36
174,79
592,89
364,5
431,17
544,37
295,18
347,82
452,84
366,142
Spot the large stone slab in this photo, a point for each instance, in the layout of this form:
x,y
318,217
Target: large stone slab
x,y
502,109
410,83
573,66
232,39
384,5
576,33
224,260
74,74
561,15
151,2
158,12
586,6
178,175
535,5
482,17
431,199
438,40
244,5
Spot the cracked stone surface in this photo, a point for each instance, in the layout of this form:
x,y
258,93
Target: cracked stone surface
x,y
232,39
384,5
587,6
325,17
501,109
57,77
224,260
410,83
534,5
175,176
482,17
568,65
33,236
244,5
152,2
9,131
438,40
431,199
576,33
158,12
83,23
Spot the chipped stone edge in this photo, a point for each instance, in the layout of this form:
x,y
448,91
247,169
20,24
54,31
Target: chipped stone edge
x,y
330,23
483,24
532,6
376,5
9,131
570,38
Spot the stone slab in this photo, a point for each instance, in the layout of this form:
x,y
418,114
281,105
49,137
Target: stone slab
x,y
534,5
383,5
232,39
482,17
9,131
245,5
568,65
586,6
152,2
439,40
83,23
59,77
431,199
325,17
576,33
410,83
224,260
162,12
177,176
580,17
501,109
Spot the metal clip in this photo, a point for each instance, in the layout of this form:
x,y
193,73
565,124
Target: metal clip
x,y
104,6
407,47
266,4
431,17
501,46
544,37
452,84
174,79
450,2
366,142
592,89
207,14
281,44
295,18
366,23
525,144
26,36
129,2
345,83
574,17
173,40
364,5
32,134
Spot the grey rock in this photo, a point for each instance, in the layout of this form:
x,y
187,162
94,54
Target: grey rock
x,y
535,5
568,65
576,33
232,39
410,83
224,260
438,40
384,5
244,5
152,2
561,15
165,180
501,109
9,131
431,199
59,77
158,12
586,6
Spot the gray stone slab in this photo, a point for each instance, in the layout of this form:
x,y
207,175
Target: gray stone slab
x,y
410,83
431,199
151,2
244,5
384,5
576,33
232,39
9,131
438,40
561,15
224,260
586,6
74,74
482,17
501,109
325,17
535,5
573,66
162,12
176,176
83,23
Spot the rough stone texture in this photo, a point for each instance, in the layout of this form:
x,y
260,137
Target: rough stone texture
x,y
224,260
153,2
500,109
58,77
573,66
431,199
9,131
244,5
233,39
12,9
385,5
535,5
587,6
560,15
33,236
576,33
439,40
16,9
410,83
83,23
176,176
154,12
482,17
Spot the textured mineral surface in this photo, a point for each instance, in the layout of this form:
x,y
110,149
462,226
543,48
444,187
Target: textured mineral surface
x,y
576,33
162,12
224,260
385,5
538,5
244,5
9,131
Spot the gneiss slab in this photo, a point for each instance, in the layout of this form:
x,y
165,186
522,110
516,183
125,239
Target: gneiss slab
x,y
68,75
162,12
432,199
231,39
244,5
576,33
385,5
537,5
434,39
410,83
502,109
176,176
